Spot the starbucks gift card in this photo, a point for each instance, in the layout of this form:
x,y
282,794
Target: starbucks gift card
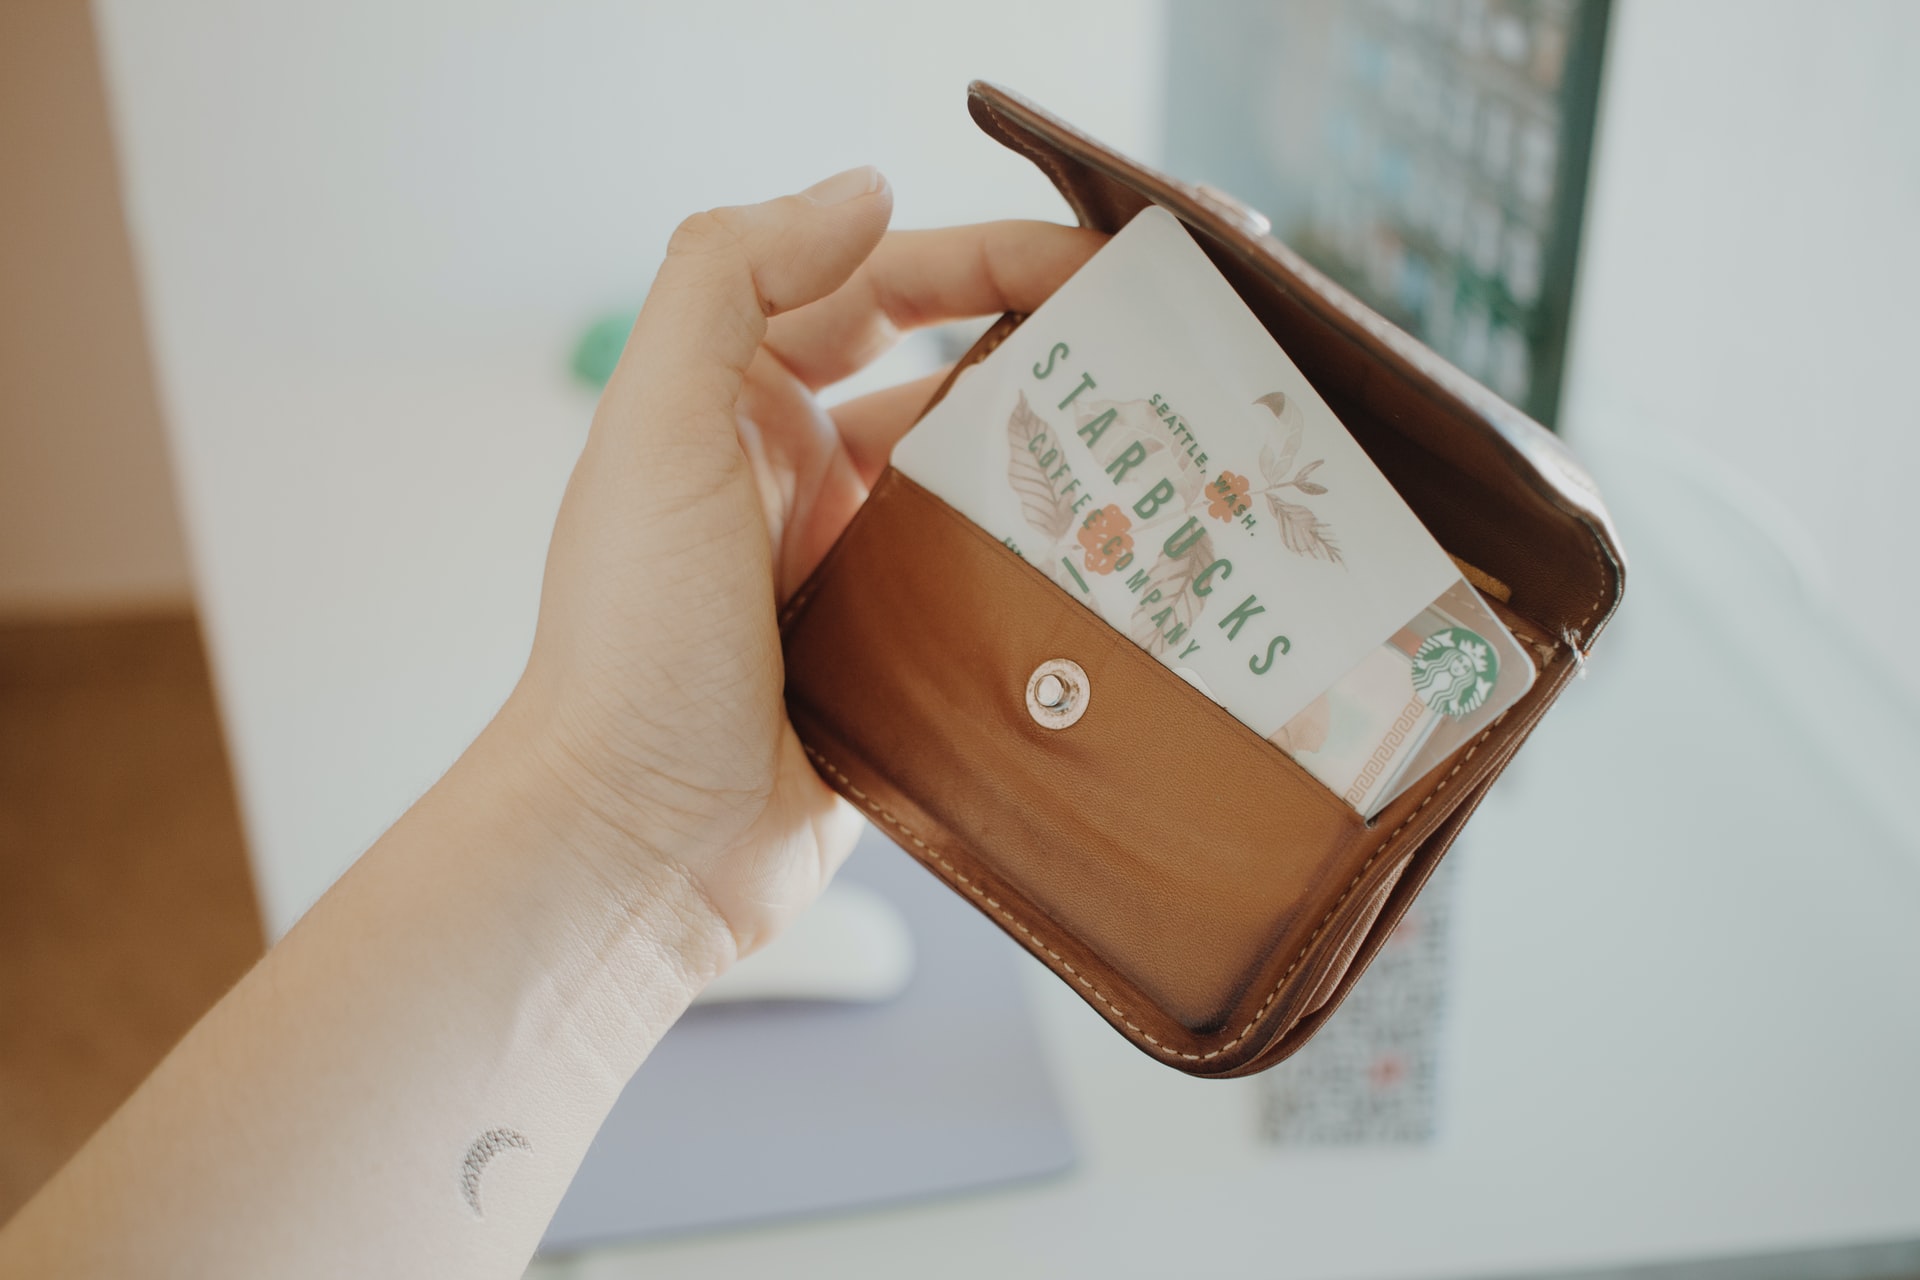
x,y
1143,442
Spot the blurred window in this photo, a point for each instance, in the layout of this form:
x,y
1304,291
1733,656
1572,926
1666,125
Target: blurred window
x,y
1431,155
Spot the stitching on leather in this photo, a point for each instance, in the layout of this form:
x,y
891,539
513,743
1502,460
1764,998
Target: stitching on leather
x,y
954,872
1599,602
1020,141
998,338
793,607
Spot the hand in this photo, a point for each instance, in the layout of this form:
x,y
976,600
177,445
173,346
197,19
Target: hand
x,y
710,486
498,964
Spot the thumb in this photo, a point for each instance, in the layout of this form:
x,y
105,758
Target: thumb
x,y
727,271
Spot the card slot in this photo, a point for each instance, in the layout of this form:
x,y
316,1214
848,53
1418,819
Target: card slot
x,y
1169,839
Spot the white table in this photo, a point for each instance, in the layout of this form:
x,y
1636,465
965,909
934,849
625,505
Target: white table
x,y
1687,1023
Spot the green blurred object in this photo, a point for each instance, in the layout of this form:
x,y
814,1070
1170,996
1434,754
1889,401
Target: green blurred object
x,y
599,348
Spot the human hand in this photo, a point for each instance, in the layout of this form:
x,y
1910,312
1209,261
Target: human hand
x,y
490,973
711,484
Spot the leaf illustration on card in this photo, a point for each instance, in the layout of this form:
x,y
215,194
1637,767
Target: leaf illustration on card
x,y
1137,422
1275,401
1169,608
1030,456
1189,481
1303,532
1305,485
1275,462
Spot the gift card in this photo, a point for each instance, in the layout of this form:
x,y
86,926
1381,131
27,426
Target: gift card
x,y
1143,441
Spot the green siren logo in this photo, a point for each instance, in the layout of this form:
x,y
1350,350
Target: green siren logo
x,y
1454,671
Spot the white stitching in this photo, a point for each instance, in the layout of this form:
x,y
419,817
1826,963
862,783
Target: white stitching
x,y
793,607
954,872
1019,138
1580,629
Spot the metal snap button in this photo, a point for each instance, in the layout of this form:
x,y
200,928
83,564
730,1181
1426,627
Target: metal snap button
x,y
1058,693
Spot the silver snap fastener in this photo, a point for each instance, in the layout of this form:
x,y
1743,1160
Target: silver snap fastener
x,y
1058,693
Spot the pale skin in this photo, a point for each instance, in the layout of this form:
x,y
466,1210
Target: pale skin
x,y
637,816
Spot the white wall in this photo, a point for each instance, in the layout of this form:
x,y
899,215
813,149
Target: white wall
x,y
370,232
370,175
1750,290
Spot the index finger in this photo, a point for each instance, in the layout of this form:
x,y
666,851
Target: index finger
x,y
917,278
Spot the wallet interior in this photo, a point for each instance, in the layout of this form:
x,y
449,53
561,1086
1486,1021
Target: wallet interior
x,y
1198,888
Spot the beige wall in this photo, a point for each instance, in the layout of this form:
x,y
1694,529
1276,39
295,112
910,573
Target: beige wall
x,y
87,515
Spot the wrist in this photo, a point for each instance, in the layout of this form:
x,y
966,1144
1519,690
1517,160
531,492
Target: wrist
x,y
631,901
728,806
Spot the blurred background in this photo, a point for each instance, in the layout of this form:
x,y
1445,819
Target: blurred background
x,y
291,332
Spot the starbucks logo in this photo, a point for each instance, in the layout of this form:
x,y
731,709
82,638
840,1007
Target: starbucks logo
x,y
1454,671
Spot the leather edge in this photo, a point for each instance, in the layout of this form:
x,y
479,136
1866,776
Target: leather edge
x,y
1413,878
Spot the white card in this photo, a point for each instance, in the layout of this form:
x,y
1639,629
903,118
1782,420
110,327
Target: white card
x,y
1144,442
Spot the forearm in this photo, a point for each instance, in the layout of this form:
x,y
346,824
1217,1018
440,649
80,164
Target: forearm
x,y
406,1083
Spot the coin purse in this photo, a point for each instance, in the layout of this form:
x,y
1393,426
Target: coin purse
x,y
1188,880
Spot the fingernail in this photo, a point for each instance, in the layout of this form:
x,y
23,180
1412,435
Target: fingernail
x,y
842,187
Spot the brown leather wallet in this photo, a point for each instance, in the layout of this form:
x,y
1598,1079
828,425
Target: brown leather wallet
x,y
1200,890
